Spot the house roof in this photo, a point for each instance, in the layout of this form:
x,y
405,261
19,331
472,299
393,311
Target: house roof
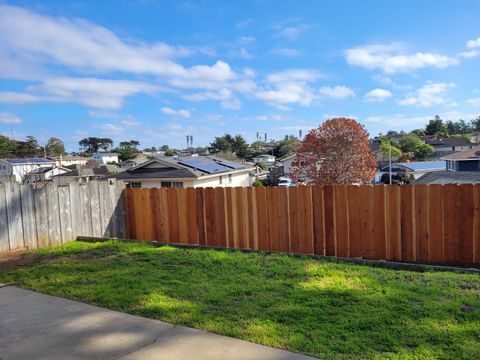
x,y
28,161
419,166
46,169
180,168
105,154
287,157
450,177
67,157
450,141
471,154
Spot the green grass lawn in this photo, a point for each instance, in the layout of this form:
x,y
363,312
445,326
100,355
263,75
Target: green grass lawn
x,y
316,307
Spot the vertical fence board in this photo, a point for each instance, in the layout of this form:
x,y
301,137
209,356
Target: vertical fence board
x,y
241,216
75,211
341,221
219,216
53,215
318,221
201,226
476,224
435,223
306,219
105,206
182,215
65,214
192,232
4,242
147,215
379,210
129,214
173,225
95,208
41,216
421,223
467,212
294,220
354,221
408,223
275,239
394,232
210,216
164,216
329,211
86,211
231,221
28,215
14,215
155,215
451,222
252,241
262,218
367,229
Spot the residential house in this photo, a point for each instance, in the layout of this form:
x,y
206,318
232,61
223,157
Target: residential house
x,y
450,177
464,161
18,168
67,160
105,158
417,169
444,146
287,163
267,159
42,174
188,172
128,164
83,174
381,157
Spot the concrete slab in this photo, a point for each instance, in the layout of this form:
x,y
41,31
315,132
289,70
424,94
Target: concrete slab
x,y
39,326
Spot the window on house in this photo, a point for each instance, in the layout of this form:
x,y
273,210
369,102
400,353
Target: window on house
x,y
134,185
220,178
166,184
229,178
177,184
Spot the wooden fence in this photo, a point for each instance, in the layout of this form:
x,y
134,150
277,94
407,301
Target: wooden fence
x,y
433,224
50,215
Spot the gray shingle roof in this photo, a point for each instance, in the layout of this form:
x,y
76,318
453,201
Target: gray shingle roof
x,y
450,177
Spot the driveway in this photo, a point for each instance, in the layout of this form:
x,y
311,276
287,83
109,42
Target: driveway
x,y
38,326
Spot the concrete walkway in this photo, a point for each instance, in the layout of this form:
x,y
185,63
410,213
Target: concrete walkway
x,y
38,326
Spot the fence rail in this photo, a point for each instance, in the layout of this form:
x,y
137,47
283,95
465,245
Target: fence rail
x,y
432,224
50,215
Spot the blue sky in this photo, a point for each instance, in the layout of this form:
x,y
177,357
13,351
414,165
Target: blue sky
x,y
156,71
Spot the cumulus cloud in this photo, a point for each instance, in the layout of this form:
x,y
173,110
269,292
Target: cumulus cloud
x,y
97,93
293,32
473,101
225,96
336,92
472,44
428,95
10,119
377,95
393,58
287,52
178,113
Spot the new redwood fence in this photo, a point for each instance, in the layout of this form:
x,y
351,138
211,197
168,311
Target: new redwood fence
x,y
437,224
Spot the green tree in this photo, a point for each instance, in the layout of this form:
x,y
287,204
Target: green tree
x,y
127,150
95,144
228,143
55,146
169,152
418,132
408,143
436,127
475,124
287,146
7,147
423,151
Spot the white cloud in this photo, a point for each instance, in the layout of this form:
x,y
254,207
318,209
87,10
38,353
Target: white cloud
x,y
287,93
225,96
472,44
294,75
473,101
10,119
110,128
293,32
97,93
377,95
336,92
392,58
469,54
271,117
428,95
401,121
287,52
178,113
241,53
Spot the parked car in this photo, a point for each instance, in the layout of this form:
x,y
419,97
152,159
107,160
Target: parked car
x,y
285,181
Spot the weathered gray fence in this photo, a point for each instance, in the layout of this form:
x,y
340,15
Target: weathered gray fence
x,y
50,215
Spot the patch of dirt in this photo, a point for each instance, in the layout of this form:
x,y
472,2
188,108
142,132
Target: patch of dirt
x,y
467,309
14,260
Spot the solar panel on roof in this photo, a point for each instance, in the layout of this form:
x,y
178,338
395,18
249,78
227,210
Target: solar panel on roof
x,y
230,164
426,165
209,168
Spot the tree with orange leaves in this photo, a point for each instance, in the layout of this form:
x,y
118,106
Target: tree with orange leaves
x,y
337,152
